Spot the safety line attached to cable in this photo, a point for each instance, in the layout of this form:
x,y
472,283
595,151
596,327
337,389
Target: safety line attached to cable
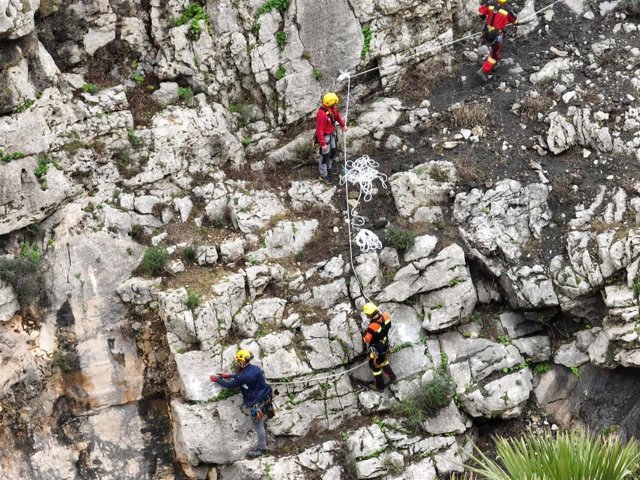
x,y
320,379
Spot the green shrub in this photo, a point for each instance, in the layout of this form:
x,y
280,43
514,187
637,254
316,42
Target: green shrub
x,y
366,32
317,74
189,253
575,455
431,397
541,368
90,88
137,77
154,260
24,274
399,238
42,168
25,106
7,157
133,139
185,94
193,300
281,72
194,13
279,5
281,38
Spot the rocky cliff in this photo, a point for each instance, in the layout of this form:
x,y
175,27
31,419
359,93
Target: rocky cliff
x,y
159,209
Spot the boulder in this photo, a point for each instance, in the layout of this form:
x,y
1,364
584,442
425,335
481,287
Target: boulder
x,y
8,302
252,211
503,398
308,194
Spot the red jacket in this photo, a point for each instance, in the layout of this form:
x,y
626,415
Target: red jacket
x,y
497,16
325,122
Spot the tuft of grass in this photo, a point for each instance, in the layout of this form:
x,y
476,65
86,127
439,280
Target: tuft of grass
x,y
541,368
24,274
279,5
189,254
281,72
399,238
90,88
42,168
531,106
194,300
366,32
7,157
577,455
186,95
317,74
468,115
137,77
432,396
25,106
154,260
281,38
193,14
133,139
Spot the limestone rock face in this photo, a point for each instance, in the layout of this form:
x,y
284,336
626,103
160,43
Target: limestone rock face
x,y
16,18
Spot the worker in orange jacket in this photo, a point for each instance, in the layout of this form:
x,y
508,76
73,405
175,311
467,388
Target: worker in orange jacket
x,y
497,15
326,119
376,336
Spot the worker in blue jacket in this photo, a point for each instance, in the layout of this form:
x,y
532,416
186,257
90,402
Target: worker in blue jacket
x,y
257,395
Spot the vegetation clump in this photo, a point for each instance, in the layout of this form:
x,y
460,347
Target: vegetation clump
x,y
399,238
576,455
279,5
366,32
193,14
154,260
431,397
24,274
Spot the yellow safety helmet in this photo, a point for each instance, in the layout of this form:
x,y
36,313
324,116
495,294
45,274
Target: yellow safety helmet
x,y
369,309
503,1
330,99
243,356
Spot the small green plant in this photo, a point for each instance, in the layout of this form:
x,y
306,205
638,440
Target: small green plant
x,y
185,94
190,254
224,394
137,77
137,232
636,287
7,157
504,340
42,168
25,106
90,88
193,300
133,139
399,238
24,274
366,32
66,360
577,455
279,5
246,140
281,38
431,397
280,72
154,260
576,371
194,13
30,253
541,368
317,74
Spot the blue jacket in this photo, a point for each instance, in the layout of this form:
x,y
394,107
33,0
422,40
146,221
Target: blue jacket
x,y
254,387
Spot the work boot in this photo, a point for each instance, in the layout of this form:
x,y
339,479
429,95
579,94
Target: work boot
x,y
256,452
390,373
483,76
326,179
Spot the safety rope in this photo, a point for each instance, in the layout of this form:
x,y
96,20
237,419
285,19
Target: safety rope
x,y
320,379
346,75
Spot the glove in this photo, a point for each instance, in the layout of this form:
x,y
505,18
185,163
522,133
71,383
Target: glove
x,y
213,378
225,375
325,148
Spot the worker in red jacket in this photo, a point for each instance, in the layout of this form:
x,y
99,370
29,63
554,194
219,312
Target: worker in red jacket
x,y
497,14
326,119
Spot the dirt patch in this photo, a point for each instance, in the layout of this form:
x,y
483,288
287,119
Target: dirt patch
x,y
143,106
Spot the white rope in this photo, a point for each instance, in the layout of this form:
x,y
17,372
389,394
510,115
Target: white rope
x,y
366,241
363,172
344,74
320,379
